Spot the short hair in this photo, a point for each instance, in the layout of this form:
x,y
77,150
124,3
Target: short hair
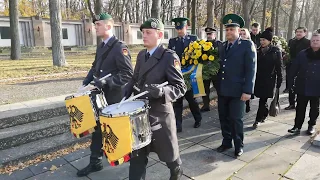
x,y
109,21
247,32
256,25
303,28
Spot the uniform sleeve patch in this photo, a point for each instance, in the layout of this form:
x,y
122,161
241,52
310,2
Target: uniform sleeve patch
x,y
125,51
177,64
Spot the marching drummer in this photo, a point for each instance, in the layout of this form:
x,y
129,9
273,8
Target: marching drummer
x,y
156,65
112,57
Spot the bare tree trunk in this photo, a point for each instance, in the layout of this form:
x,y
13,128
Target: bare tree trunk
x,y
90,9
210,13
277,19
14,30
138,11
309,14
273,13
56,33
316,19
193,18
291,19
223,12
245,11
67,9
301,14
155,9
98,7
189,10
263,25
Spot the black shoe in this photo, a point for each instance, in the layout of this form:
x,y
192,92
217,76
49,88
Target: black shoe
x,y
238,153
290,107
256,124
197,124
286,91
176,174
179,130
92,167
294,130
223,148
311,130
204,109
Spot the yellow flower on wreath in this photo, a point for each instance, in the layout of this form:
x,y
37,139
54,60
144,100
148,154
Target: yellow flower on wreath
x,y
186,49
202,42
208,44
211,58
195,45
196,62
186,57
206,48
183,61
198,53
204,57
190,62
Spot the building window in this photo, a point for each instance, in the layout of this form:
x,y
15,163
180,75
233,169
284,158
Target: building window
x,y
5,33
64,33
139,35
166,35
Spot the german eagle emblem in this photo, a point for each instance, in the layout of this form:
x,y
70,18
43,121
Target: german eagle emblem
x,y
75,115
110,139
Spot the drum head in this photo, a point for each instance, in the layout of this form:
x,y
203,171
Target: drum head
x,y
127,107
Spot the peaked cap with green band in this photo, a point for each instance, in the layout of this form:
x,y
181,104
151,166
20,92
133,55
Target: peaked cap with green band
x,y
233,20
102,16
180,22
152,23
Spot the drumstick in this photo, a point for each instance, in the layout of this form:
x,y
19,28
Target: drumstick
x,y
104,77
145,92
121,102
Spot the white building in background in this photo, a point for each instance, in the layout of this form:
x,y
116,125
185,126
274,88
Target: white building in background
x,y
35,31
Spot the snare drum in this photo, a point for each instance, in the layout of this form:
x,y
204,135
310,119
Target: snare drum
x,y
124,129
83,109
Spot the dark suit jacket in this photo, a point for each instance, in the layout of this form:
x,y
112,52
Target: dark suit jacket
x,y
178,46
118,63
237,69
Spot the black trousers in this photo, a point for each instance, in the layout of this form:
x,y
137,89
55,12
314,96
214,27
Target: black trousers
x,y
263,111
193,105
302,102
206,98
138,164
231,112
96,145
292,96
287,75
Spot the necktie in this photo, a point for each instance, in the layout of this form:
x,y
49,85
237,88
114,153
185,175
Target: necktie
x,y
229,47
147,56
102,44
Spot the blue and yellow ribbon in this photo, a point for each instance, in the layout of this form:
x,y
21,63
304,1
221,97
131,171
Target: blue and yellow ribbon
x,y
196,79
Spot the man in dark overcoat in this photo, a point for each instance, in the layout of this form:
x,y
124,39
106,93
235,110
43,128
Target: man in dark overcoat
x,y
235,84
156,65
112,57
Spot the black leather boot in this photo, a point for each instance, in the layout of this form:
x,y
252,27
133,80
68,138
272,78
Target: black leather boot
x,y
93,166
176,173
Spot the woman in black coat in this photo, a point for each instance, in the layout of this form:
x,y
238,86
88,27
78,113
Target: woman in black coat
x,y
268,73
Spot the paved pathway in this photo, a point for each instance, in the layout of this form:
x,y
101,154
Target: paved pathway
x,y
270,154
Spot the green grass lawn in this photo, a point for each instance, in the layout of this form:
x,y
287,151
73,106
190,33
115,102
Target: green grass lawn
x,y
42,65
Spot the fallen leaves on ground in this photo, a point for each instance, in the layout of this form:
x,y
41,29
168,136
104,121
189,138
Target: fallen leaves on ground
x,y
45,157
